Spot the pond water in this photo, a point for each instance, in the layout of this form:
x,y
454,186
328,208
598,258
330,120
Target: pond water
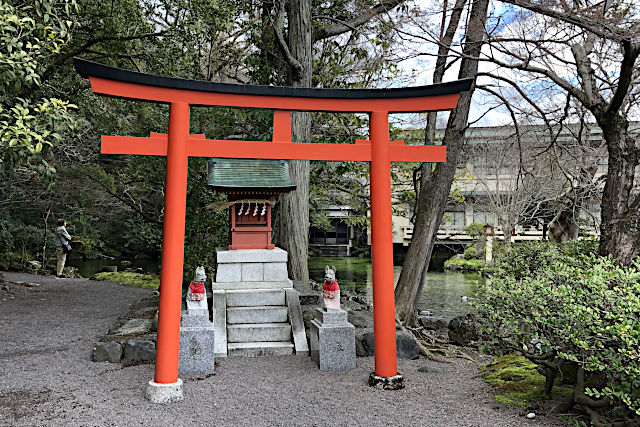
x,y
440,294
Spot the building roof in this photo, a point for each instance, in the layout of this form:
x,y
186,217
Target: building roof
x,y
249,174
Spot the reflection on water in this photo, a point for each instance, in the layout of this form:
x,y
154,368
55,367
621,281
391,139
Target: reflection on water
x,y
440,294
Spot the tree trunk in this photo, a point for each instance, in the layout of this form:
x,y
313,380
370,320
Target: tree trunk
x,y
620,217
293,230
434,193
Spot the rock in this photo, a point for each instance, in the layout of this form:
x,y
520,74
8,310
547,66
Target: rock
x,y
531,415
362,348
110,268
434,323
36,265
138,351
71,273
134,327
462,329
154,322
406,345
350,305
142,256
126,263
361,319
107,352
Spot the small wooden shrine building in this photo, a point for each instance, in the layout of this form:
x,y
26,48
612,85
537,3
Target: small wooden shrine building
x,y
251,186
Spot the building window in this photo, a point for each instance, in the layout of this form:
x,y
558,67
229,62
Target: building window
x,y
453,218
485,218
336,234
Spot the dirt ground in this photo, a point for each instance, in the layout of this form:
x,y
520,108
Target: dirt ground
x,y
47,376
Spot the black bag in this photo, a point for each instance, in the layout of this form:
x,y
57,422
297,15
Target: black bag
x,y
66,248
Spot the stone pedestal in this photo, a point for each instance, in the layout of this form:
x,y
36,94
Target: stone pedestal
x,y
196,339
332,340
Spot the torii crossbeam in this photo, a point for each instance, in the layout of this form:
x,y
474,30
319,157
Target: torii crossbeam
x,y
179,145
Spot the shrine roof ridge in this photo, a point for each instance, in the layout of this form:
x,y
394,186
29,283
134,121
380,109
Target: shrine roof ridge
x,y
88,68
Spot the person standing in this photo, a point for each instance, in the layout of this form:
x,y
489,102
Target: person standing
x,y
62,246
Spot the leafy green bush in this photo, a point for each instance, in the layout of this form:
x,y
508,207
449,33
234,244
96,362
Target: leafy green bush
x,y
470,252
564,305
475,229
469,265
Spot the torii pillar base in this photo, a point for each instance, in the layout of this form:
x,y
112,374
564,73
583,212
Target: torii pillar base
x,y
386,383
164,393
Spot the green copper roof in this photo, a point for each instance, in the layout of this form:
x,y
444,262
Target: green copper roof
x,y
260,174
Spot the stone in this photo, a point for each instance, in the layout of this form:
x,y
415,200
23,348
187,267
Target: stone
x,y
134,327
196,350
220,323
351,305
258,314
275,271
361,319
107,352
332,345
462,330
164,393
252,332
126,263
362,350
306,294
331,317
34,264
226,256
154,322
198,307
229,272
434,323
252,271
531,415
386,383
189,320
139,351
254,297
297,324
406,345
232,286
257,349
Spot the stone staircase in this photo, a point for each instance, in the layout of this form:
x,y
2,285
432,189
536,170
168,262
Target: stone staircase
x,y
256,311
258,323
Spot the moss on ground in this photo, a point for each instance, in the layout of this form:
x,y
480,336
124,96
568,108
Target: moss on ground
x,y
518,381
146,281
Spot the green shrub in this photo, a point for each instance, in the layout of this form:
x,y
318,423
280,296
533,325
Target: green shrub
x,y
564,305
470,252
475,229
470,265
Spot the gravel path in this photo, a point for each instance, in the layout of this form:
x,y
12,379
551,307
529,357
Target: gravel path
x,y
47,378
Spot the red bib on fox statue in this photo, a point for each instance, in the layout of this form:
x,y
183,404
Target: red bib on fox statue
x,y
330,290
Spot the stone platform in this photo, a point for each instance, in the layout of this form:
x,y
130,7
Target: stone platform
x,y
256,311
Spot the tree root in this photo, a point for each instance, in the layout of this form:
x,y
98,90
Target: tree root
x,y
429,345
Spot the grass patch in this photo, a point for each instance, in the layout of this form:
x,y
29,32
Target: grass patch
x,y
138,280
518,380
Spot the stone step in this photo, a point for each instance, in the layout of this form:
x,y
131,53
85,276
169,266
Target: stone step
x,y
255,297
257,314
262,348
231,286
256,332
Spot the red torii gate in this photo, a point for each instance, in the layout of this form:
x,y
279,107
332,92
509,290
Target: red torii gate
x,y
179,145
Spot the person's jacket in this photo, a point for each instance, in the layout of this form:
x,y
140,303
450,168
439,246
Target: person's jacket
x,y
62,237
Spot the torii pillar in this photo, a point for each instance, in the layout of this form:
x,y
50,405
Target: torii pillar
x,y
179,145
